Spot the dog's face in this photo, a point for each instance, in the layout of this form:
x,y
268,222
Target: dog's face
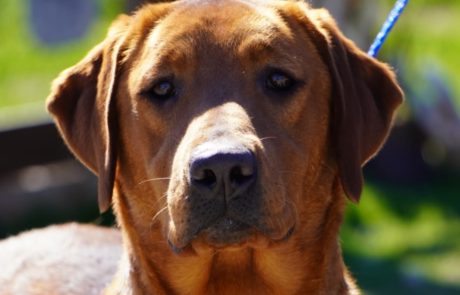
x,y
217,104
226,124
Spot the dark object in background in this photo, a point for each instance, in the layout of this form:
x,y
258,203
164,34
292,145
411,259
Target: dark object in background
x,y
401,162
24,146
133,4
61,21
40,181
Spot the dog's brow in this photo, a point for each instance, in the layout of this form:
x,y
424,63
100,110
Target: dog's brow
x,y
175,51
256,47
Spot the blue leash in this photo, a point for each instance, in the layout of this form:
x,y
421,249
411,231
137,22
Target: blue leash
x,y
387,26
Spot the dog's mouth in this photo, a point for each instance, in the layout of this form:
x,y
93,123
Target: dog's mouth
x,y
228,233
222,233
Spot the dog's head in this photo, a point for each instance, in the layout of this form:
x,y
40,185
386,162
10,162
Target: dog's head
x,y
225,123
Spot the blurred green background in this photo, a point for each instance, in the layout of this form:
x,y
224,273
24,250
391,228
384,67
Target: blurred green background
x,y
404,236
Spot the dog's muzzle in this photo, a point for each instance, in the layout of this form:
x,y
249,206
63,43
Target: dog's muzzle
x,y
223,191
223,199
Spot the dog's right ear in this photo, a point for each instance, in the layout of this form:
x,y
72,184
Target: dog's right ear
x,y
82,105
82,99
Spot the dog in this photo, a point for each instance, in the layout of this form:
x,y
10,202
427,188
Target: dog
x,y
227,136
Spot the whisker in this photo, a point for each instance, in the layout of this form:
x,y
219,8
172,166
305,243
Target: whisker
x,y
164,196
161,199
268,137
162,210
154,179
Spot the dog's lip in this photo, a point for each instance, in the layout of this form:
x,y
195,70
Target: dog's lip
x,y
223,225
227,231
288,234
177,250
251,238
228,224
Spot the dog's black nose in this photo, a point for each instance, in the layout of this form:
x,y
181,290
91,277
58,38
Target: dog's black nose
x,y
230,170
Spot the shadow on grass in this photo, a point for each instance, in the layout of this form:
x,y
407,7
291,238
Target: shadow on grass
x,y
443,192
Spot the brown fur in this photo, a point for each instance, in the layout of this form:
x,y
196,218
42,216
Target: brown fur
x,y
310,146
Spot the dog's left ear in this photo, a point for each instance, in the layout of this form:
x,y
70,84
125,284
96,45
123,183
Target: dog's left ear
x,y
365,95
83,107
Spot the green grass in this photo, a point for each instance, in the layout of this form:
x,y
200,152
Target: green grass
x,y
27,67
427,37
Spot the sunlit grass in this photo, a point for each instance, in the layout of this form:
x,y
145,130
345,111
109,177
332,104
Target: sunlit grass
x,y
427,31
427,37
27,67
386,234
439,267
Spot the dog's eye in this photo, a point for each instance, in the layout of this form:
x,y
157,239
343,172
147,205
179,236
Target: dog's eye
x,y
279,81
163,90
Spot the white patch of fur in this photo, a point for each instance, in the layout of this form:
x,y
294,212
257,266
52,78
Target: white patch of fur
x,y
63,259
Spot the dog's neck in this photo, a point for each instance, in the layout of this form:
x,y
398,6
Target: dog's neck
x,y
306,264
240,272
246,272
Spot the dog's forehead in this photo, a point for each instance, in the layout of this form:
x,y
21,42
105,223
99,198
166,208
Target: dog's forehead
x,y
226,23
223,8
221,41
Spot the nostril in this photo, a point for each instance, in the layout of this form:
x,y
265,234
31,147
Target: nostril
x,y
204,177
241,174
229,171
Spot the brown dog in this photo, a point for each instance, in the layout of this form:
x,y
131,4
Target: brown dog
x,y
229,134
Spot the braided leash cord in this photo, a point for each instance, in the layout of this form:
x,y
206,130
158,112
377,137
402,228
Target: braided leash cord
x,y
387,26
